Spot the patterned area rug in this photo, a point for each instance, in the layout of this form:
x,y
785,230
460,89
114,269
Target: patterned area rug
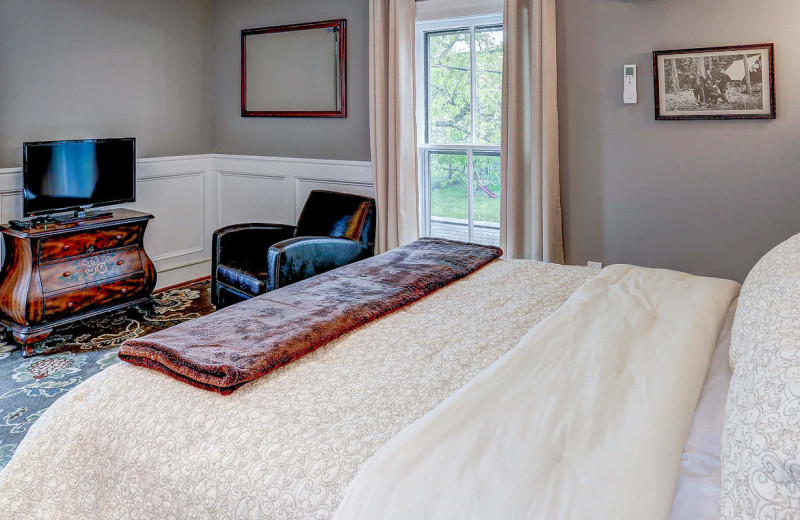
x,y
75,352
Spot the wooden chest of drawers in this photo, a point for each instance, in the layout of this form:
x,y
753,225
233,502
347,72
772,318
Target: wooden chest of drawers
x,y
61,273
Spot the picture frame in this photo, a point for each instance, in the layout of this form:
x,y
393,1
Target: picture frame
x,y
711,83
297,70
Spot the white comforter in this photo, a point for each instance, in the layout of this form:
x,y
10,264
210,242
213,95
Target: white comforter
x,y
133,443
585,418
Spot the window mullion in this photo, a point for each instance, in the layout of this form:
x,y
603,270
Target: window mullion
x,y
470,198
427,89
473,111
473,83
424,163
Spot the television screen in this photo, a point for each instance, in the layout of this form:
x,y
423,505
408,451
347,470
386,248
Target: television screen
x,y
64,175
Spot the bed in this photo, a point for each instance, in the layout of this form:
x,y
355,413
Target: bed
x,y
335,433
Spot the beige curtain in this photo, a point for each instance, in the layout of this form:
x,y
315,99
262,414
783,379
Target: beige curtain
x,y
531,201
392,121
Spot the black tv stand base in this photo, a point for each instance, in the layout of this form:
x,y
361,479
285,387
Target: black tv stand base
x,y
35,222
81,215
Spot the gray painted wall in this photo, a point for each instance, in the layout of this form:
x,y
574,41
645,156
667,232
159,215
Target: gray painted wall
x,y
287,137
103,68
705,197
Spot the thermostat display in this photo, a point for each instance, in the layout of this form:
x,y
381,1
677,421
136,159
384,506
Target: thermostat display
x,y
629,94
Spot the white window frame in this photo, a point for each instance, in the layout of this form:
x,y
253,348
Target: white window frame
x,y
441,9
423,147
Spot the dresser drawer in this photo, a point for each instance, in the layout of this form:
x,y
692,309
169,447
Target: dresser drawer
x,y
88,242
68,303
89,270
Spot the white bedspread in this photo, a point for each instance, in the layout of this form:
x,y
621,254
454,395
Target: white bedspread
x,y
133,443
585,418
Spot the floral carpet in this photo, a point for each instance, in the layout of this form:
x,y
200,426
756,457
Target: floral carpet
x,y
75,352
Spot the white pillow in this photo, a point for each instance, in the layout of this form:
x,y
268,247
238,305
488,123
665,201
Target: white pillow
x,y
761,437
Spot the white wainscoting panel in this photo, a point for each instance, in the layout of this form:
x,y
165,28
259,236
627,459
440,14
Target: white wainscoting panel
x,y
289,180
250,197
10,206
178,231
10,197
177,192
10,193
191,196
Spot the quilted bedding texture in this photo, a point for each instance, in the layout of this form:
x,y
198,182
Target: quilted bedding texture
x,y
133,443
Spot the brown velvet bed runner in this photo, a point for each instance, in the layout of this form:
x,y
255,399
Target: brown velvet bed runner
x,y
228,348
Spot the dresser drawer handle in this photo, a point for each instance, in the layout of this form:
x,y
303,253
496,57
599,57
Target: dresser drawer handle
x,y
119,237
120,262
70,304
90,249
66,247
66,274
124,290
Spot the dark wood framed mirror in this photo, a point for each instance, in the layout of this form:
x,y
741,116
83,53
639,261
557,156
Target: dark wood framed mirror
x,y
295,70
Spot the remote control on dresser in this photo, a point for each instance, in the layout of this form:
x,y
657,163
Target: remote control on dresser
x,y
21,224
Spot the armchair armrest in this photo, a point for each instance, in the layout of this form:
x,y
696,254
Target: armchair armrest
x,y
303,257
247,243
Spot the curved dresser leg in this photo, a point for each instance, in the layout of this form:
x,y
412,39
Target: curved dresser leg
x,y
27,340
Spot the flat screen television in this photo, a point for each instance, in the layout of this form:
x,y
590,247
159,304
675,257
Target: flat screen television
x,y
75,175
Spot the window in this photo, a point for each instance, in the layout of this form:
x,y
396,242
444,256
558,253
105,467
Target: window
x,y
459,96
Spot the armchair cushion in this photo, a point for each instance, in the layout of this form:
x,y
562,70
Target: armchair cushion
x,y
303,257
239,257
245,276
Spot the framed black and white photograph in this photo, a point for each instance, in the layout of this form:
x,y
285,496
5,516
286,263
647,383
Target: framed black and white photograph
x,y
736,82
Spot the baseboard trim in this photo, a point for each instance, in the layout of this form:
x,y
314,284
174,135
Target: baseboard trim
x,y
182,284
175,276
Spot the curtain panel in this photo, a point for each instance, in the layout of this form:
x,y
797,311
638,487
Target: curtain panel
x,y
531,199
393,122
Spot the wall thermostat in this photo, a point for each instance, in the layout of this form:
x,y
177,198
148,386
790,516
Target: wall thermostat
x,y
629,94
